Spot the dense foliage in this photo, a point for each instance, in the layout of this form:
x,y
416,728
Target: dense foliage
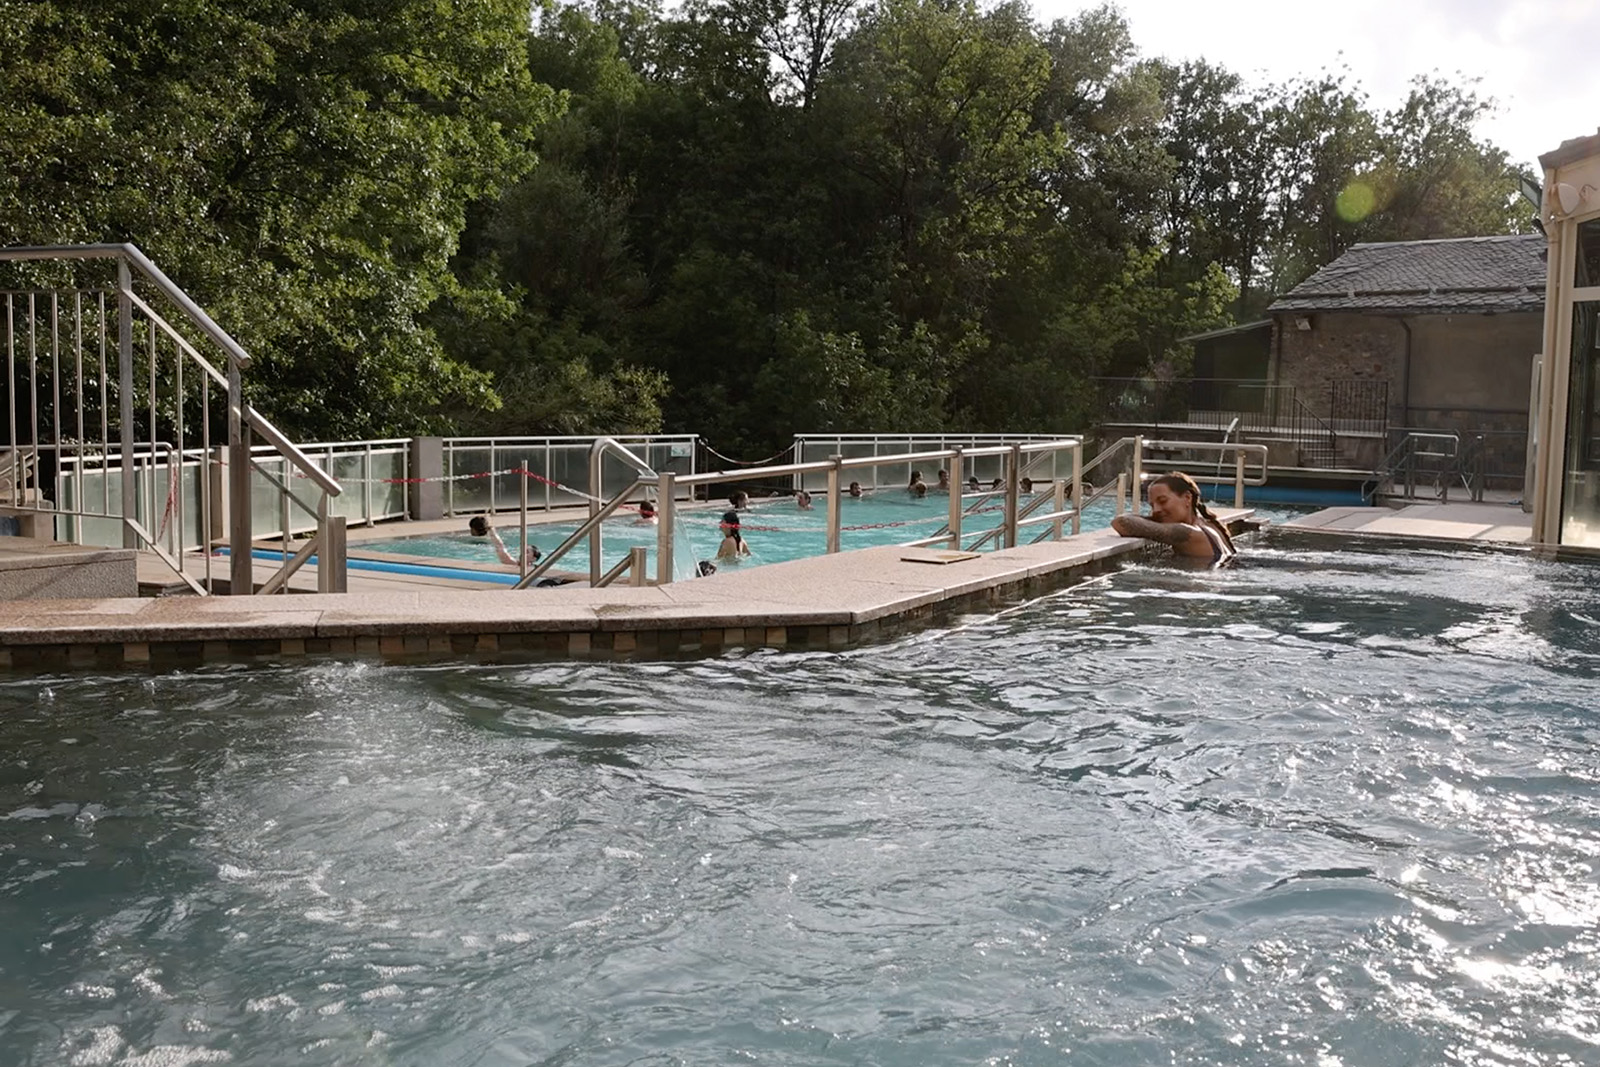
x,y
740,217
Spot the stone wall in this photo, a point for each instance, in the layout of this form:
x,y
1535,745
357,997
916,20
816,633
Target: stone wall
x,y
1468,373
1339,346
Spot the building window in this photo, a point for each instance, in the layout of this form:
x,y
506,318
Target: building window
x,y
1580,496
1587,270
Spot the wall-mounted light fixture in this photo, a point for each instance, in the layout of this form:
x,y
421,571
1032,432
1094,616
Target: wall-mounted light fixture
x,y
1569,198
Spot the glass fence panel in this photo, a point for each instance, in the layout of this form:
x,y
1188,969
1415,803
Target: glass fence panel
x,y
349,469
569,465
467,495
389,497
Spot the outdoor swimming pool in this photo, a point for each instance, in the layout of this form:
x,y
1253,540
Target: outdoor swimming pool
x,y
1332,808
775,530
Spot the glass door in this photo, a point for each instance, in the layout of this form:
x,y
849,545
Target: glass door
x,y
1580,489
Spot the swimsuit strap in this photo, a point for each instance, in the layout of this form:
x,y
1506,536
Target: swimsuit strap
x,y
1218,549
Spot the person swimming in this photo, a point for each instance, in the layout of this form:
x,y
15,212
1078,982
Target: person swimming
x,y
733,545
739,500
944,481
1026,485
647,514
802,500
855,489
1180,518
479,526
973,485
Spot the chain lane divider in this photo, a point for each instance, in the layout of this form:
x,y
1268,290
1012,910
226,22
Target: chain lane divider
x,y
896,524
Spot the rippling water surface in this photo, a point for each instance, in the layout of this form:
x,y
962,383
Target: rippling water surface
x,y
1329,808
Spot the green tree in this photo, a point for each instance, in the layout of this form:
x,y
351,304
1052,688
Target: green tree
x,y
303,170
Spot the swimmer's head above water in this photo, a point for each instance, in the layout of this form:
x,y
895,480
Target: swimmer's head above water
x,y
478,526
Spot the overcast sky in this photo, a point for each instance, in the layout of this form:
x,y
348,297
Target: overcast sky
x,y
1540,59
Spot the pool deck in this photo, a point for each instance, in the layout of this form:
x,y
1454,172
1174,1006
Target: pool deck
x,y
1471,523
827,602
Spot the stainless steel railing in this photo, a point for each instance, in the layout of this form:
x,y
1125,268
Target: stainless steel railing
x,y
1017,459
89,400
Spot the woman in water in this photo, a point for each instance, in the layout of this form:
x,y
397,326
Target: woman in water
x,y
802,500
1178,517
733,545
479,526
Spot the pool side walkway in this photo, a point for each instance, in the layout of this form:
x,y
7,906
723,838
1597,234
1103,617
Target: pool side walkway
x,y
827,602
1482,523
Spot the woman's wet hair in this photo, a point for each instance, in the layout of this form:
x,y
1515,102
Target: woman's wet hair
x,y
478,526
1180,483
646,508
730,525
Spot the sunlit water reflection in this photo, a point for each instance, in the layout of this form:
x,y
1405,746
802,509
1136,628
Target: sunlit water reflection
x,y
1329,808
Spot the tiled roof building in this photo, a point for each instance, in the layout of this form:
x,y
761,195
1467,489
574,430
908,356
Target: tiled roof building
x,y
1460,275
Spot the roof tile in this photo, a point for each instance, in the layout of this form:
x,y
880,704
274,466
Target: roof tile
x,y
1464,274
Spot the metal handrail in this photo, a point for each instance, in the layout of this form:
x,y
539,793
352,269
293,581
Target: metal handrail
x,y
667,484
590,524
153,273
1402,459
1238,448
168,403
290,451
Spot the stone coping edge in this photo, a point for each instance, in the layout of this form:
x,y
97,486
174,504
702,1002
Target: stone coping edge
x,y
293,627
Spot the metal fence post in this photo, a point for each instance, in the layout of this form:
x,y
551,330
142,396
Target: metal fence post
x,y
834,502
596,474
1058,506
241,530
666,518
522,546
957,480
1137,489
1008,539
1238,480
1077,488
1122,492
636,564
125,395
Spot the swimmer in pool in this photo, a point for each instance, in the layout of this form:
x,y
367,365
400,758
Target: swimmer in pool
x,y
973,485
739,501
1027,485
855,489
802,500
479,526
944,482
1178,517
733,545
647,514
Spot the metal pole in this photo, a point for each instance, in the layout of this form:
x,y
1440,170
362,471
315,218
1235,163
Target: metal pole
x,y
833,503
596,460
241,531
125,394
1077,488
1060,505
1138,472
1013,488
1238,480
1122,492
666,518
637,556
957,480
366,481
522,546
